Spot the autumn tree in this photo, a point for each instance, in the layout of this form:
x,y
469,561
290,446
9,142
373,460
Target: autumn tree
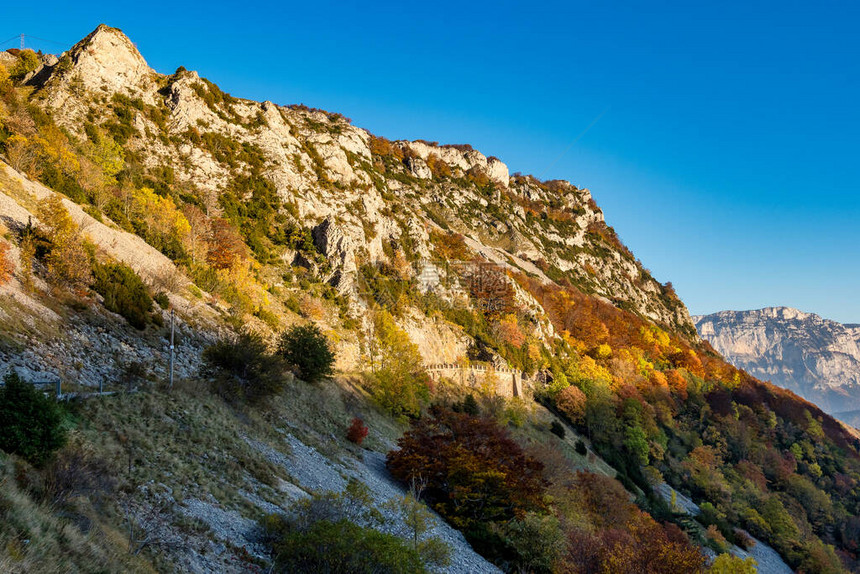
x,y
27,256
508,331
198,232
398,380
7,268
226,247
438,166
157,219
571,401
67,261
450,246
23,154
474,472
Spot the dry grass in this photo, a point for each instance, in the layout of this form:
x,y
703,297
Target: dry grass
x,y
33,538
192,444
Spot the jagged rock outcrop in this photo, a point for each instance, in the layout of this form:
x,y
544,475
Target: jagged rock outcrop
x,y
338,247
106,62
816,358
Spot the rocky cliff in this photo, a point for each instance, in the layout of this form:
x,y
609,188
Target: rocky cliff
x,y
362,195
816,358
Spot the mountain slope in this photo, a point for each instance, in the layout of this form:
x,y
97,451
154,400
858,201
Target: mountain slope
x,y
814,357
327,169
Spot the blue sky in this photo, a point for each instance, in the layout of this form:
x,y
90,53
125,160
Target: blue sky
x,y
726,155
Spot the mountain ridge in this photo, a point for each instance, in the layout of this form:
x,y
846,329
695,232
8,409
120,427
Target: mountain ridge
x,y
334,154
815,357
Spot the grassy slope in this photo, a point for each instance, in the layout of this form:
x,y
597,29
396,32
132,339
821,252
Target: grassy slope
x,y
194,447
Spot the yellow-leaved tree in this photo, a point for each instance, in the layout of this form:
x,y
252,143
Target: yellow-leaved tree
x,y
398,380
67,261
729,564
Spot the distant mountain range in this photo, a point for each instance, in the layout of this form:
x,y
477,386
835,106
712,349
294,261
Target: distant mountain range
x,y
816,358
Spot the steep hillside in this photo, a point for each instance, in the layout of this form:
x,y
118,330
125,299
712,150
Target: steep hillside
x,y
490,329
816,358
377,196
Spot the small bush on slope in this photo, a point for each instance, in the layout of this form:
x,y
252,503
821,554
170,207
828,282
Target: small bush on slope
x,y
306,349
334,532
30,423
357,432
343,548
243,368
124,292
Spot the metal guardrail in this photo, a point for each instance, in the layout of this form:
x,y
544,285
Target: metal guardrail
x,y
56,389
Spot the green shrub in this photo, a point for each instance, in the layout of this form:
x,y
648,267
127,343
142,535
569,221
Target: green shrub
x,y
292,303
557,429
339,532
580,448
344,548
306,349
470,405
243,369
267,317
30,423
538,541
162,299
124,292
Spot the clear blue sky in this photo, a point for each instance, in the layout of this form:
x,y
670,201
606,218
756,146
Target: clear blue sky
x,y
727,157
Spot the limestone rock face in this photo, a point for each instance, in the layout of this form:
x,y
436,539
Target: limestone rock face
x,y
363,205
464,160
338,247
419,168
816,358
498,171
108,60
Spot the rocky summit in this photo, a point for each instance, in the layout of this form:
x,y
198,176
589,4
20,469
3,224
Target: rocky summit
x,y
816,358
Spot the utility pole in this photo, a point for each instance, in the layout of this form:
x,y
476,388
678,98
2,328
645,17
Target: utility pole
x,y
172,326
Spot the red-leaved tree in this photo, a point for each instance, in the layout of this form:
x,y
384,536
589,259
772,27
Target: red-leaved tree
x,y
357,432
474,471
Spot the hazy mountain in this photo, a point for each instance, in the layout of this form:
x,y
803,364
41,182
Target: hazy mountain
x,y
816,358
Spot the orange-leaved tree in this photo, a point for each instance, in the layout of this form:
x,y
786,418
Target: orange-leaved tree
x,y
474,471
7,268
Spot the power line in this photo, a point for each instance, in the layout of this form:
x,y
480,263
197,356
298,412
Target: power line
x,y
48,41
22,37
